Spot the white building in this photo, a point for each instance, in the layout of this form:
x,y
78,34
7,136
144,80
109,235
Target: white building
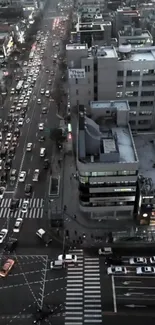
x,y
107,161
107,73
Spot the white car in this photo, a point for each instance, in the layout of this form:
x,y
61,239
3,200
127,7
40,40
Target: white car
x,y
18,107
41,126
22,176
112,270
1,164
2,191
145,270
25,206
36,175
3,234
9,137
0,136
152,259
137,260
20,121
42,91
29,146
39,101
6,144
18,224
68,258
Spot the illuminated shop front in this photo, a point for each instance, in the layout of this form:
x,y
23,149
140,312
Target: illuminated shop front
x,y
8,46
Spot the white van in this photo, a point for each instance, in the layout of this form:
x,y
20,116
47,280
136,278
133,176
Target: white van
x,y
47,93
56,265
42,152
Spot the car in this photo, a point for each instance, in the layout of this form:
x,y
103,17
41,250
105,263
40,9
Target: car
x,y
41,126
2,191
13,175
42,138
113,260
44,236
42,91
49,82
12,109
11,245
106,251
46,164
18,107
18,224
145,270
16,132
152,259
3,234
9,137
20,121
28,189
29,147
6,145
36,175
68,258
6,268
44,110
14,204
1,164
22,176
25,206
39,101
12,91
137,260
118,270
47,93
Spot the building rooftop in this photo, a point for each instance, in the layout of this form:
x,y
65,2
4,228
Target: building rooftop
x,y
103,137
145,146
76,47
134,33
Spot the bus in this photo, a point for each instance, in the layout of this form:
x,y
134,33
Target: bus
x,y
19,85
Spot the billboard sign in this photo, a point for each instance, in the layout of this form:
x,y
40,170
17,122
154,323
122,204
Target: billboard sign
x,y
76,73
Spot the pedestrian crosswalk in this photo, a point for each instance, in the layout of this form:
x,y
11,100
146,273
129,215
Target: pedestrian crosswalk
x,y
83,292
35,209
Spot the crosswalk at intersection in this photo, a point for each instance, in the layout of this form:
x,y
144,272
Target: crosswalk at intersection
x,y
35,209
83,293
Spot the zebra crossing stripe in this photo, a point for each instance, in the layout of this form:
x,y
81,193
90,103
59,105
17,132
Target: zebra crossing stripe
x,y
35,210
33,203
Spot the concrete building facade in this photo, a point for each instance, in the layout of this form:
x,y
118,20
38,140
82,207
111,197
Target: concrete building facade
x,y
107,73
107,161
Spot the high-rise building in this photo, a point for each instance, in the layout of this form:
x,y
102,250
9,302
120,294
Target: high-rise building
x,y
107,73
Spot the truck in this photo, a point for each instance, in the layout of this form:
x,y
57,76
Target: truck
x,y
36,175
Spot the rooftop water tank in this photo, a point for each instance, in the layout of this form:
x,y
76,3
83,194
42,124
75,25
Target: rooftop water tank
x,y
125,48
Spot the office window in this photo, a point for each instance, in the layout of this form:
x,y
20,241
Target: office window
x,y
119,94
77,92
148,72
133,104
132,83
76,81
77,102
120,84
133,72
145,113
147,93
86,68
129,73
146,103
120,73
131,93
89,92
148,83
89,80
132,113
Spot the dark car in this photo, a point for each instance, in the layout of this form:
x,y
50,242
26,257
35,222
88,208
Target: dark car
x,y
3,153
17,132
46,164
9,118
4,178
11,245
12,152
8,164
114,260
14,204
44,110
42,138
28,189
6,126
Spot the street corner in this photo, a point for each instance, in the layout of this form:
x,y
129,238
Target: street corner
x,y
25,280
134,294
